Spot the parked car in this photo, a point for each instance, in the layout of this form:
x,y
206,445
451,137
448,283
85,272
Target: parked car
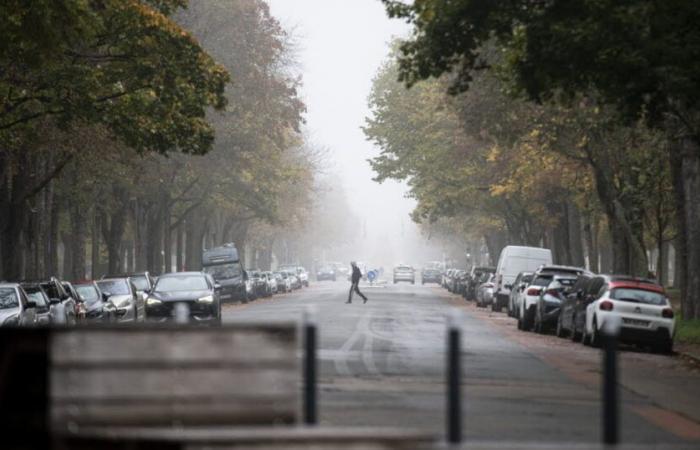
x,y
519,285
326,272
143,282
80,311
197,290
549,303
341,269
485,290
15,308
303,276
404,272
98,307
63,305
259,283
573,308
474,280
293,279
271,282
131,306
638,305
430,274
513,260
284,282
44,310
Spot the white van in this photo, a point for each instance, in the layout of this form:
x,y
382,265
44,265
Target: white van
x,y
513,260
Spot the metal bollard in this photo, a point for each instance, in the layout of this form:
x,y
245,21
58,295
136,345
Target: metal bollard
x,y
454,376
310,331
611,330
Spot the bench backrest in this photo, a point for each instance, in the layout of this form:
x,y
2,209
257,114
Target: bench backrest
x,y
242,375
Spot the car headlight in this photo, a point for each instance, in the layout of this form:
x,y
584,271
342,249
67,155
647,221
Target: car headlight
x,y
12,320
206,299
150,301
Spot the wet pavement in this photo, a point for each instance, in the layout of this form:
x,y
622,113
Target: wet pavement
x,y
383,364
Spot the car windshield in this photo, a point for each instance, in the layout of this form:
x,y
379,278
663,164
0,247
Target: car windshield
x,y
638,296
181,283
114,287
36,296
140,282
87,293
8,298
562,283
224,271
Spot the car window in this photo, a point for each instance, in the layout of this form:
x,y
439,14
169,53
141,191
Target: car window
x,y
114,287
541,280
8,298
87,293
140,282
224,271
182,283
638,296
37,297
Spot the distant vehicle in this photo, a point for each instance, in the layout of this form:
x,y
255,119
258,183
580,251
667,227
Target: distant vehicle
x,y
485,290
294,280
519,285
430,274
98,307
122,293
303,276
224,265
473,282
404,272
143,281
549,304
64,305
259,283
340,269
284,282
641,308
271,282
299,271
15,308
513,260
195,289
44,310
326,272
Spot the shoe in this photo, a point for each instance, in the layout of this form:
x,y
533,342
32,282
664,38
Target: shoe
x,y
365,301
348,302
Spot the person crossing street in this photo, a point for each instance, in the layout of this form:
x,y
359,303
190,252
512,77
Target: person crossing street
x,y
355,279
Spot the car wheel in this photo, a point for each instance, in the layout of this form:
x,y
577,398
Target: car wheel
x,y
527,321
663,348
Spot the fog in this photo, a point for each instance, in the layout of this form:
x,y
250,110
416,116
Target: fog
x,y
340,45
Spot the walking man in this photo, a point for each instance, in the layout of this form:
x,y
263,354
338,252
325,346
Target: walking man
x,y
355,278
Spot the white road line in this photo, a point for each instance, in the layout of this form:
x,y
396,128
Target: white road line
x,y
367,357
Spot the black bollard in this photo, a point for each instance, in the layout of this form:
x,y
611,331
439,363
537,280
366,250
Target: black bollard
x,y
310,410
454,375
610,394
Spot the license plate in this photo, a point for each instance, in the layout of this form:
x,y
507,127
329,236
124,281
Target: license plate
x,y
640,323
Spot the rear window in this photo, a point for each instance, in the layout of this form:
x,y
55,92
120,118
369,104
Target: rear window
x,y
87,292
638,296
541,281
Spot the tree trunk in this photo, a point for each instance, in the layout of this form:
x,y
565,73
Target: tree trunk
x,y
194,239
95,246
77,270
52,238
180,251
495,241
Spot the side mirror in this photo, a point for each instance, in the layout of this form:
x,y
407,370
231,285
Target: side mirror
x,y
106,295
30,305
217,287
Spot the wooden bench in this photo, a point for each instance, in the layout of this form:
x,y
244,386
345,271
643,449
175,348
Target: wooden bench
x,y
128,387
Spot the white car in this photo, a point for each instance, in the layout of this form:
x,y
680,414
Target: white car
x,y
404,273
527,300
638,306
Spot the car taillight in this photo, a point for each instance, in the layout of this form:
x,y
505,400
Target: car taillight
x,y
552,292
606,305
667,313
533,291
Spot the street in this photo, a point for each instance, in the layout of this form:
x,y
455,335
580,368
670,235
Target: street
x,y
382,364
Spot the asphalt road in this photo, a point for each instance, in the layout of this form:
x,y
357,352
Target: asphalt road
x,y
383,364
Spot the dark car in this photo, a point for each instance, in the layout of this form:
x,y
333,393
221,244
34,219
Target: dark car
x,y
326,273
573,307
197,290
98,308
430,275
548,306
45,311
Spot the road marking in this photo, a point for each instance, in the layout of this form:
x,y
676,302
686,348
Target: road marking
x,y
367,357
341,363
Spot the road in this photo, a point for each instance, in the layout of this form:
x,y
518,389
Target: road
x,y
382,364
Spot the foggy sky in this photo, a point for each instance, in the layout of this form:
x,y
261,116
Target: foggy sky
x,y
341,44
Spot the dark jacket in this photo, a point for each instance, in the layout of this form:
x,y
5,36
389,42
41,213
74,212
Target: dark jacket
x,y
356,274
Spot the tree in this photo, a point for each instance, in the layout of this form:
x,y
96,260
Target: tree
x,y
641,56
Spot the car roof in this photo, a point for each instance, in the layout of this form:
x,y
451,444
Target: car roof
x,y
182,274
10,285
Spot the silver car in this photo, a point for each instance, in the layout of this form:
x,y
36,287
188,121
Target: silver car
x,y
15,307
122,293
